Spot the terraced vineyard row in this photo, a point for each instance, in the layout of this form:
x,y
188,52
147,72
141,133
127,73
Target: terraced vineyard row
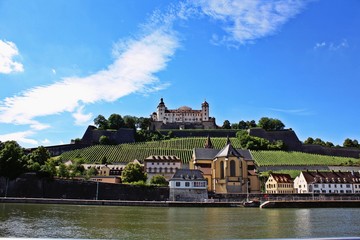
x,y
181,147
282,158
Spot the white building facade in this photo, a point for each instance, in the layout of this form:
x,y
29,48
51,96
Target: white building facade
x,y
180,115
327,182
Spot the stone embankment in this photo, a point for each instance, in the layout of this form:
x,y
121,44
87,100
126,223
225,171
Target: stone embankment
x,y
312,204
118,202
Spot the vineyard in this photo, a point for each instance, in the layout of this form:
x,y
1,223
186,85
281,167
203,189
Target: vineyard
x,y
183,148
123,153
278,158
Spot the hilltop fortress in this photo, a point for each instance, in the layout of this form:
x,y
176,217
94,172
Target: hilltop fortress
x,y
182,118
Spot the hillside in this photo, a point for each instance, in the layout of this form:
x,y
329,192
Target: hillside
x,y
283,158
183,147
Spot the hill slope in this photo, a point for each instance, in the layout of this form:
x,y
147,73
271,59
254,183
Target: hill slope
x,y
183,148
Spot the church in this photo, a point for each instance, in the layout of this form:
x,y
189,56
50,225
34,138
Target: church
x,y
182,118
227,170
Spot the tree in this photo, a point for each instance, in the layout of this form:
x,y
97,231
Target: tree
x,y
39,156
309,140
270,124
104,140
104,160
101,122
115,121
234,126
12,161
242,125
133,172
130,121
350,143
226,125
159,180
143,123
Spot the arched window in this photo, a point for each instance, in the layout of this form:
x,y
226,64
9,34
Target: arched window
x,y
221,169
232,168
149,169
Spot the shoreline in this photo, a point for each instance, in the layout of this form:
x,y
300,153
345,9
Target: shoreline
x,y
267,204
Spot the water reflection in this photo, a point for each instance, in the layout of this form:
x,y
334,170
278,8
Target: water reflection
x,y
62,221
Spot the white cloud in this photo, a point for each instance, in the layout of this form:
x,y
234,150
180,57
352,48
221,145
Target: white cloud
x,y
20,137
331,46
8,51
248,20
81,118
320,45
133,70
301,111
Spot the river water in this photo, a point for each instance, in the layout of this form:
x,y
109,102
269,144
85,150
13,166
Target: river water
x,y
109,222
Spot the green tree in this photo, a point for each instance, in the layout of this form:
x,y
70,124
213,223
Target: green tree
x,y
270,124
104,140
159,180
37,158
143,123
101,122
115,121
309,140
226,125
243,125
62,171
133,172
104,160
12,161
130,121
350,143
234,126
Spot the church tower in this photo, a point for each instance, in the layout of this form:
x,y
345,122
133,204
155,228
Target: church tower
x,y
205,111
161,110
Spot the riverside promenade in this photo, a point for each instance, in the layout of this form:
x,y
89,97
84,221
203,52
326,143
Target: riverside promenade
x,y
338,203
118,202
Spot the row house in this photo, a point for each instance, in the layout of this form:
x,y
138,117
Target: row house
x,y
165,165
327,182
279,183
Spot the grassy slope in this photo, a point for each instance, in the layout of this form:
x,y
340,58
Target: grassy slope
x,y
183,148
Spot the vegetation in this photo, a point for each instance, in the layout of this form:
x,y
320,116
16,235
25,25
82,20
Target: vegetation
x,y
12,161
133,172
116,121
257,143
282,158
269,124
181,147
159,180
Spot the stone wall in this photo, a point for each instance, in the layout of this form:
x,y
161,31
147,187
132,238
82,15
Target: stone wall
x,y
31,186
188,195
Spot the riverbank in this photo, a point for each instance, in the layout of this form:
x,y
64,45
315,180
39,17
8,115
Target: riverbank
x,y
118,202
312,204
267,204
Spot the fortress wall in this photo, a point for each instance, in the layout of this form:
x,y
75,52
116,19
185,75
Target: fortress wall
x,y
33,187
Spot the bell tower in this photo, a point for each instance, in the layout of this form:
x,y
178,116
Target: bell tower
x,y
205,111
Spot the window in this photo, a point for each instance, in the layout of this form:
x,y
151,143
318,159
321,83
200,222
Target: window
x,y
177,184
232,168
222,170
187,184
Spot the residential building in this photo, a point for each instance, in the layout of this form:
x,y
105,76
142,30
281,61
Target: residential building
x,y
188,185
227,170
162,165
327,182
279,184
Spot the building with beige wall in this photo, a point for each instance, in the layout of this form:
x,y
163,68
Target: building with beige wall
x,y
227,170
279,183
162,165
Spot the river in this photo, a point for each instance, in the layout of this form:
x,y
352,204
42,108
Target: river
x,y
108,222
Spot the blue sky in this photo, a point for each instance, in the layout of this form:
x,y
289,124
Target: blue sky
x,y
62,63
